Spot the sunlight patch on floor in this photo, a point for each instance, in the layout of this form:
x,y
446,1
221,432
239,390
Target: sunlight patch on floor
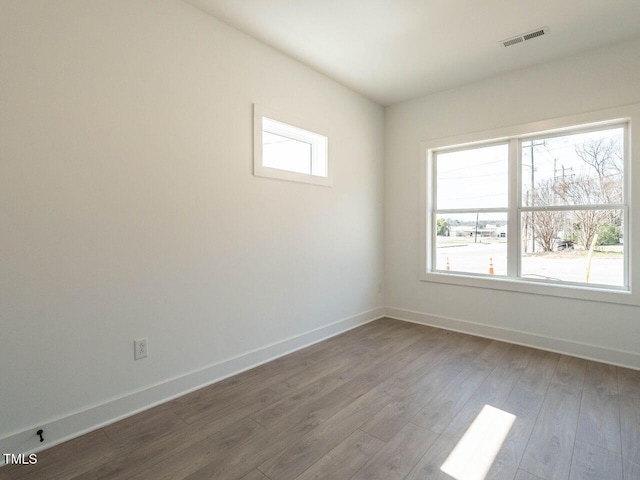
x,y
474,454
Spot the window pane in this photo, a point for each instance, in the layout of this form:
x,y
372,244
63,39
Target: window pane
x,y
577,169
474,178
555,246
285,153
472,243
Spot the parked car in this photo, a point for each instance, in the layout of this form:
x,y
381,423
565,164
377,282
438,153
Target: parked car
x,y
564,245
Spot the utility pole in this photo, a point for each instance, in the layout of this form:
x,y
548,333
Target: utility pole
x,y
475,240
567,172
562,173
533,189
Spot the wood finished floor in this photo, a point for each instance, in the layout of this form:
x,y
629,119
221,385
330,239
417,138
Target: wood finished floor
x,y
389,400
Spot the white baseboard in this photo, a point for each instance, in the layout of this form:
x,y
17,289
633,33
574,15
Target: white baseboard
x,y
574,349
83,421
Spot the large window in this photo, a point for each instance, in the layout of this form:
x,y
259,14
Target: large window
x,y
548,208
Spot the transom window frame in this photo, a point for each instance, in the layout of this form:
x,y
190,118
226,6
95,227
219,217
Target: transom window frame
x,y
285,125
513,136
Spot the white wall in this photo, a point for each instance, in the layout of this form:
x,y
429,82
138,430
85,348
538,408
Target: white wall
x,y
597,80
128,209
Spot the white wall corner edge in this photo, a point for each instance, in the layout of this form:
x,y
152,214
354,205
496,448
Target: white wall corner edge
x,y
84,421
575,349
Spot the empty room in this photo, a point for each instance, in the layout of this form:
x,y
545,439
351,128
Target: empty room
x,y
294,240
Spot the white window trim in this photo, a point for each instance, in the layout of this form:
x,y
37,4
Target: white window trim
x,y
260,170
630,296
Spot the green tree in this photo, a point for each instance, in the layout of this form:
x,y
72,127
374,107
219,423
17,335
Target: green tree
x,y
442,227
608,235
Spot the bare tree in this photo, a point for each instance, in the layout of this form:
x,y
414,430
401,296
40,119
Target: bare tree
x,y
588,223
603,154
606,159
546,224
580,190
584,190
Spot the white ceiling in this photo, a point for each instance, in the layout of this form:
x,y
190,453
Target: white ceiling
x,y
394,50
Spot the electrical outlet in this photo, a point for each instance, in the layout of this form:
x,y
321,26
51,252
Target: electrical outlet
x,y
140,349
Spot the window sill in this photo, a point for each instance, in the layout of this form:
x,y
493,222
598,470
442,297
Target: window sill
x,y
267,172
618,295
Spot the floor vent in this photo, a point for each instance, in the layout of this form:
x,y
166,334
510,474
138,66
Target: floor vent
x,y
525,36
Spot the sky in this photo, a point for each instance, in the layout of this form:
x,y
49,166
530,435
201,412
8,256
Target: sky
x,y
478,177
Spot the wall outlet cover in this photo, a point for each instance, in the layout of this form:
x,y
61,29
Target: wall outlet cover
x,y
140,349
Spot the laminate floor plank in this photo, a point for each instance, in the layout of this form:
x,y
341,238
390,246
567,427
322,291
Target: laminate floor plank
x,y
187,460
591,462
524,401
440,410
255,475
493,353
394,416
203,411
67,459
268,443
436,346
133,430
548,453
525,405
318,442
628,381
396,459
630,429
570,372
470,348
454,360
227,389
366,335
522,475
430,465
288,405
371,330
325,361
599,422
242,380
290,365
442,370
166,443
345,459
631,471
397,333
498,385
381,370
335,364
602,377
292,403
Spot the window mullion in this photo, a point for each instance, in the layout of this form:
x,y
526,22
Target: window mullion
x,y
513,216
431,208
562,208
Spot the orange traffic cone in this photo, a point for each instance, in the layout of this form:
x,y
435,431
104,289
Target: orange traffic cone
x,y
490,266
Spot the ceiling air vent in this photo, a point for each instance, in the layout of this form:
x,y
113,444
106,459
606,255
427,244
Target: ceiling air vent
x,y
525,36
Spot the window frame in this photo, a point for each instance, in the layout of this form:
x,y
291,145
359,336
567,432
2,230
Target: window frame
x,y
514,136
435,211
295,129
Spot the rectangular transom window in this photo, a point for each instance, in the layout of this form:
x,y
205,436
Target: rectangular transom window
x,y
289,152
548,208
